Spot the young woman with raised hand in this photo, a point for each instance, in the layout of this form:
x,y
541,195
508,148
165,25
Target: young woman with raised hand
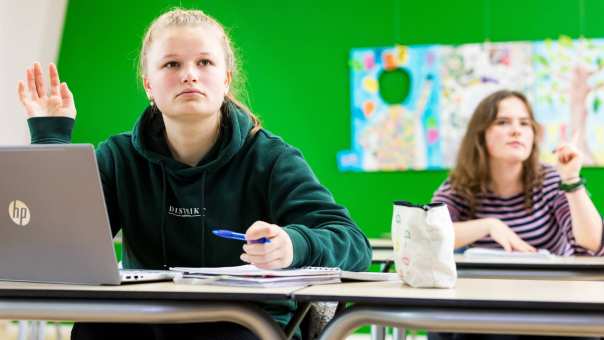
x,y
500,195
197,159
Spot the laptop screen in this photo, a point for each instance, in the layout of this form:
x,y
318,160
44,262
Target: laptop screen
x,y
55,226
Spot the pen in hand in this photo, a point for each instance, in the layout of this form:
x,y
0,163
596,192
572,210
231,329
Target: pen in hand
x,y
237,236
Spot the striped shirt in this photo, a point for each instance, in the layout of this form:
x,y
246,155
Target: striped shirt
x,y
547,225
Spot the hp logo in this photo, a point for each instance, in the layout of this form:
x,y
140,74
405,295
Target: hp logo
x,y
19,213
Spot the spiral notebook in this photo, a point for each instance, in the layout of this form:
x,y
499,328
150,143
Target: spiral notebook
x,y
252,276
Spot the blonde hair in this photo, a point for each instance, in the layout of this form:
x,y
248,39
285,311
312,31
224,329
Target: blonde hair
x,y
471,174
189,17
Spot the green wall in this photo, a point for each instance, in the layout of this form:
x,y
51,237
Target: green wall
x,y
295,57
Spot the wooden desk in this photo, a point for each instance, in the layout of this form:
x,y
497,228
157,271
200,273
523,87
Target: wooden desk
x,y
474,305
163,302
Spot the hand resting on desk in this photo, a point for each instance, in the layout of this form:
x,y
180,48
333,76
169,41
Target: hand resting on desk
x,y
493,227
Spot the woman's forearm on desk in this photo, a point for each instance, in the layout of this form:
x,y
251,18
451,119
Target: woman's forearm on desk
x,y
470,231
586,221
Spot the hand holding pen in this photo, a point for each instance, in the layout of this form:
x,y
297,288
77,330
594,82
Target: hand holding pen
x,y
268,247
237,236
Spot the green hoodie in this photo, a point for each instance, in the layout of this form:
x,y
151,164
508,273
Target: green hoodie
x,y
167,210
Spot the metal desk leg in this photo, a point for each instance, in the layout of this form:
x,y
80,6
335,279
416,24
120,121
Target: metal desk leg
x,y
378,332
22,332
58,333
39,328
398,334
460,320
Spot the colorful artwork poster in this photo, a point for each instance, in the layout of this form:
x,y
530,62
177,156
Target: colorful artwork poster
x,y
423,127
568,95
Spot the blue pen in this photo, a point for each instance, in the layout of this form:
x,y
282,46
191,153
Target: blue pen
x,y
237,236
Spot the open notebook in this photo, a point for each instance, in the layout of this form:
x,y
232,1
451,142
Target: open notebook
x,y
252,276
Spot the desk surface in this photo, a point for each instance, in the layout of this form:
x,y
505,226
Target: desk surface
x,y
157,291
380,243
574,308
555,262
583,268
163,302
584,295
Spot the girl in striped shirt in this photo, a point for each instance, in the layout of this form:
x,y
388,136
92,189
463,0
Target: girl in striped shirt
x,y
500,195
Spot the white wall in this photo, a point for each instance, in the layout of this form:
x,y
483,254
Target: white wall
x,y
30,30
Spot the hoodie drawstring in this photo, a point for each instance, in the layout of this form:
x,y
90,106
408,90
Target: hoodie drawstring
x,y
203,216
163,215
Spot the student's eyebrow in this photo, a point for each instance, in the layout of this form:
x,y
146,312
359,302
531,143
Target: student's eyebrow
x,y
169,56
174,55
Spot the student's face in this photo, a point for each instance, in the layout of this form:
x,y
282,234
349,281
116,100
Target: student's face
x,y
186,73
510,137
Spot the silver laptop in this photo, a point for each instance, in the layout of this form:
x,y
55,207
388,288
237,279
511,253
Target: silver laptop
x,y
53,220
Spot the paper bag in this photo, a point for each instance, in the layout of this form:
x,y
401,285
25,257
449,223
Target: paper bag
x,y
423,239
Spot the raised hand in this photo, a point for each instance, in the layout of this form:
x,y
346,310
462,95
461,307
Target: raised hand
x,y
57,102
507,238
569,160
276,254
